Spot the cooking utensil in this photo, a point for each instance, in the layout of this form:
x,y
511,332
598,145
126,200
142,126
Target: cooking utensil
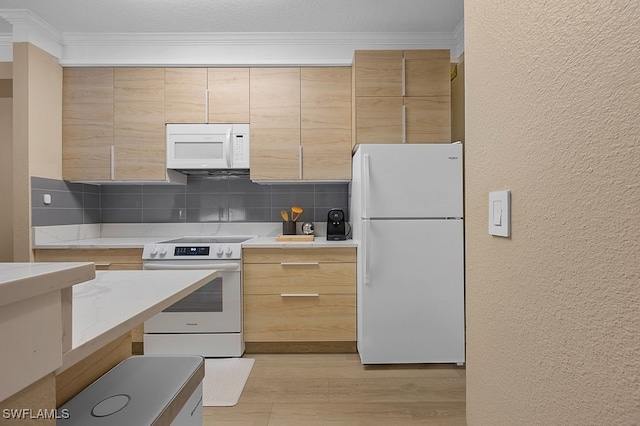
x,y
284,215
295,213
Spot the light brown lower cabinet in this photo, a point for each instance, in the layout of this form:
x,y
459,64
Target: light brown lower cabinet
x,y
299,295
105,259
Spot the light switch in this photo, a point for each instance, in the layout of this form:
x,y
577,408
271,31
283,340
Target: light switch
x,y
500,213
497,213
46,199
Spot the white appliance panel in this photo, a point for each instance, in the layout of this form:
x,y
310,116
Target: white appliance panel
x,y
408,181
204,344
207,146
411,291
228,320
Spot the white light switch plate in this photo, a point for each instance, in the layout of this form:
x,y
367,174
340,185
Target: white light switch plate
x,y
500,213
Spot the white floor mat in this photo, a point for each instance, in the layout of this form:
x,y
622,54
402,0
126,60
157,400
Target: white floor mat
x,y
224,380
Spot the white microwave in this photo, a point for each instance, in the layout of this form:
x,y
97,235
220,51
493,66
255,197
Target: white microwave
x,y
207,146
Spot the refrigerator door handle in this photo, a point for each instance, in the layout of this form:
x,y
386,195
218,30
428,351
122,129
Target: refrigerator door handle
x,y
366,254
404,123
365,184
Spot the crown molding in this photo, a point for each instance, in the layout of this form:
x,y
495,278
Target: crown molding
x,y
212,49
29,28
236,49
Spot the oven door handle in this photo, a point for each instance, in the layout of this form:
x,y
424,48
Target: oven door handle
x,y
165,267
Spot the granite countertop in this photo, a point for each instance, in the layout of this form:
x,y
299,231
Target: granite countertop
x,y
19,281
106,236
117,301
139,242
102,243
318,242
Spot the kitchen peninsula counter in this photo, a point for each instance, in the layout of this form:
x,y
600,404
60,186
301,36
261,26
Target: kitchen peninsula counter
x,y
20,281
44,305
31,317
116,301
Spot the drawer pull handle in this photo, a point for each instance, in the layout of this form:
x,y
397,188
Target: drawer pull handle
x,y
300,295
102,264
299,263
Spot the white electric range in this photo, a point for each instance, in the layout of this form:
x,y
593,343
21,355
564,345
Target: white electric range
x,y
208,322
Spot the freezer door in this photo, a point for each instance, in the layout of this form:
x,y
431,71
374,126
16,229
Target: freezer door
x,y
409,181
411,292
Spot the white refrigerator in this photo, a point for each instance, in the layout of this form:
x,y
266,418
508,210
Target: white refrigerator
x,y
406,210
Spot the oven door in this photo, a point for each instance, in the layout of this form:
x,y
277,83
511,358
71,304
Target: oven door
x,y
215,307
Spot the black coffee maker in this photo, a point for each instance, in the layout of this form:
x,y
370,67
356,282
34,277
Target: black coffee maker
x,y
336,229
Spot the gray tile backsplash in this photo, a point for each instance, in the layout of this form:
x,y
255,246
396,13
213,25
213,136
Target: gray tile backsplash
x,y
203,199
71,203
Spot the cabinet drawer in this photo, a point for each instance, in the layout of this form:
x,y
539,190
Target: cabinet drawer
x,y
273,318
278,255
104,258
296,277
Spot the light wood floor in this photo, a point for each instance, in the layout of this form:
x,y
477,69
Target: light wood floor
x,y
336,389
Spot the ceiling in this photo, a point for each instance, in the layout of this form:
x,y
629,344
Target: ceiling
x,y
169,16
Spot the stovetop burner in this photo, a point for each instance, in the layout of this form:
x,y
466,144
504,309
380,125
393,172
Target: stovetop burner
x,y
208,240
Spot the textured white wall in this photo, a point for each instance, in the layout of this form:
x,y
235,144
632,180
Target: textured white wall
x,y
553,114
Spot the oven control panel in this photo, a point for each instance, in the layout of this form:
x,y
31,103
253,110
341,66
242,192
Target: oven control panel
x,y
195,251
191,251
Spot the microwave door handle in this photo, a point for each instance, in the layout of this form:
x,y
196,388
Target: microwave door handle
x,y
227,148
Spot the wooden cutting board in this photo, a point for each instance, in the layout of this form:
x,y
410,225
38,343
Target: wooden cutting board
x,y
293,238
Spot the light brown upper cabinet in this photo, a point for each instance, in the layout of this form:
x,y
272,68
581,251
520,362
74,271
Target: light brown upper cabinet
x,y
301,123
185,95
207,95
377,73
87,123
113,124
401,96
275,123
139,128
228,95
325,127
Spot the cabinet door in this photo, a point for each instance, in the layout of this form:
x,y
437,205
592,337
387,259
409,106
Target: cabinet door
x,y
427,73
139,131
428,119
379,119
228,95
325,122
87,123
378,72
185,95
275,123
